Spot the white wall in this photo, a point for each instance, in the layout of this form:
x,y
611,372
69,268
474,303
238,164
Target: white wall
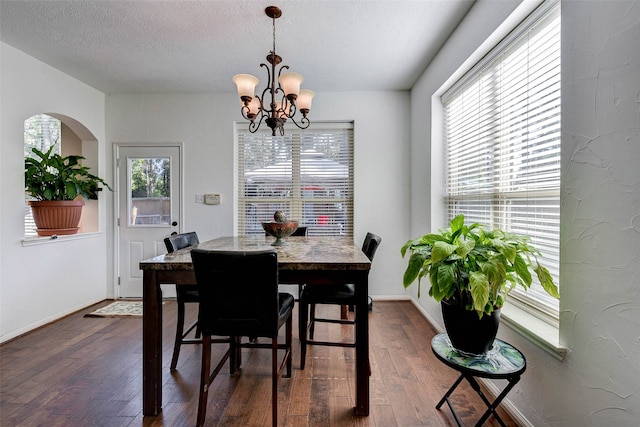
x,y
204,124
29,297
599,381
42,282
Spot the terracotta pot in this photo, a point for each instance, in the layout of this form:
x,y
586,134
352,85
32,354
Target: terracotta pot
x,y
466,331
58,217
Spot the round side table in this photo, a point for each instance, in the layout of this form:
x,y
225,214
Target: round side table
x,y
502,362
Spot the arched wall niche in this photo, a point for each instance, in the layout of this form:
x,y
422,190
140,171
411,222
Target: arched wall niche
x,y
75,139
78,128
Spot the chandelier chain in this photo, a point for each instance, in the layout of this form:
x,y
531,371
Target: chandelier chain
x,y
274,34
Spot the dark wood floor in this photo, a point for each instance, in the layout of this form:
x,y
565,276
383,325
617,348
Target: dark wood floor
x,y
83,371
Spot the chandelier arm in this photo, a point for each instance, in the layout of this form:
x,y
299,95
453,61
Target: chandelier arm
x,y
261,106
253,125
244,110
268,73
284,67
282,109
265,106
303,124
291,110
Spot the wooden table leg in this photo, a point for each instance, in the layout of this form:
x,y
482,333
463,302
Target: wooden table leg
x,y
363,369
151,344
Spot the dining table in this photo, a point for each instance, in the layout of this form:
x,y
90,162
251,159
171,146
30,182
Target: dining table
x,y
316,260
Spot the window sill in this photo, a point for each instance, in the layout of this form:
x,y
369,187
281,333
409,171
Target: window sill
x,y
536,330
31,241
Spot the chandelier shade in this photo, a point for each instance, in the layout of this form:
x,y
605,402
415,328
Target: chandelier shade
x,y
304,100
290,83
246,85
284,85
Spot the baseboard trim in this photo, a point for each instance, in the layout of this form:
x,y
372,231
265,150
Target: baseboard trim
x,y
47,321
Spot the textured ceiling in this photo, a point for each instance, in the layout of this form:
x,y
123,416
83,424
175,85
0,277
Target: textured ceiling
x,y
197,46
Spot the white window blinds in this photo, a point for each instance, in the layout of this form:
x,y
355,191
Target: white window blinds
x,y
502,139
308,174
41,132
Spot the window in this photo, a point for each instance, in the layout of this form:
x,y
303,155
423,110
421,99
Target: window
x,y
150,196
41,132
502,142
307,174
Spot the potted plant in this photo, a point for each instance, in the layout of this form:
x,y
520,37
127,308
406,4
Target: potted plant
x,y
58,185
471,271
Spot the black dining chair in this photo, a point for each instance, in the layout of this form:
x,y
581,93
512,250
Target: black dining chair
x,y
184,294
342,295
239,298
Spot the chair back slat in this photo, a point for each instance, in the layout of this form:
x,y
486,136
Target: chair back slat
x,y
300,231
370,245
181,241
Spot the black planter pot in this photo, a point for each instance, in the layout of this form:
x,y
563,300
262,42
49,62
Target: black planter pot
x,y
466,331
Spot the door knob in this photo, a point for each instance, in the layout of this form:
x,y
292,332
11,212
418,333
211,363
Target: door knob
x,y
174,223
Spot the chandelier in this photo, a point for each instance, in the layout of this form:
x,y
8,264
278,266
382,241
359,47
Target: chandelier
x,y
275,112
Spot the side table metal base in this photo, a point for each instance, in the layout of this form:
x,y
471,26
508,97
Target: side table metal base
x,y
476,387
502,362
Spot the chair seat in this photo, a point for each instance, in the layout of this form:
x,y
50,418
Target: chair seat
x,y
251,327
188,293
329,294
286,301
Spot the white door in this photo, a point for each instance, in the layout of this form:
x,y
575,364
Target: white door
x,y
148,209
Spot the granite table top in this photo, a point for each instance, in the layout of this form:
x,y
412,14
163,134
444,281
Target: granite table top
x,y
298,253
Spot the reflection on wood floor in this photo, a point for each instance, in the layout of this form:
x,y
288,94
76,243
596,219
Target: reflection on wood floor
x,y
87,372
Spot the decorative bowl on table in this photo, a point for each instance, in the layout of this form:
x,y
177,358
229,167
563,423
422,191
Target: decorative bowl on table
x,y
279,230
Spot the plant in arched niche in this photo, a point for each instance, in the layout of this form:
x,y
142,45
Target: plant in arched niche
x,y
53,177
56,182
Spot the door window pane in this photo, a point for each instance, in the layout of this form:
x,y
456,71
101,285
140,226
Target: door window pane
x,y
150,191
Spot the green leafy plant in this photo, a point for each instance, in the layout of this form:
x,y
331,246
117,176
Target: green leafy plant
x,y
53,177
473,267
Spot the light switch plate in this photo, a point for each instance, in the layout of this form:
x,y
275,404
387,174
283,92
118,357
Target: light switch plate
x,y
212,199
